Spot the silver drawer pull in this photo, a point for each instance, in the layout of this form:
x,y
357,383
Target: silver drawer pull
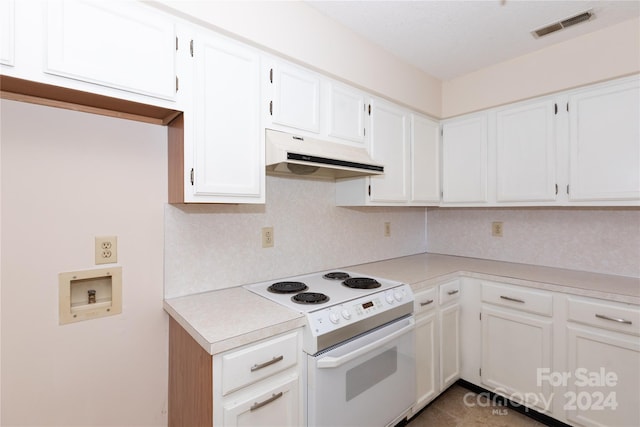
x,y
422,304
453,292
258,405
265,364
614,319
512,299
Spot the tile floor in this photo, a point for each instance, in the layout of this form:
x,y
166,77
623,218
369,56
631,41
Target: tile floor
x,y
461,407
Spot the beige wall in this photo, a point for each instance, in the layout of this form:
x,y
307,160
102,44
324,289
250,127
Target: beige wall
x,y
295,30
601,55
66,178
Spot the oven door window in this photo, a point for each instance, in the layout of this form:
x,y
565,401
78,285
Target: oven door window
x,y
366,375
369,390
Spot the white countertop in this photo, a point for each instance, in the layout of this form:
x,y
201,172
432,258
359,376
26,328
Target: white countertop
x,y
229,318
424,270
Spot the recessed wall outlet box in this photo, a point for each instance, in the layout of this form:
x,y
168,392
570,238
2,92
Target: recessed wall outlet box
x,y
496,229
267,237
89,294
106,248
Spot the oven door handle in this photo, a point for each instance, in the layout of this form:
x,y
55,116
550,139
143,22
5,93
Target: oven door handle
x,y
334,362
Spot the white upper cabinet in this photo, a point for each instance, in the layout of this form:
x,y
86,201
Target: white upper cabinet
x,y
604,143
346,113
295,101
425,160
526,152
7,32
223,158
575,148
123,45
390,146
464,160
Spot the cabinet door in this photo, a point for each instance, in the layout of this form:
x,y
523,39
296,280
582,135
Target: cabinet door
x,y
7,32
611,361
346,113
464,160
604,150
124,45
390,146
526,153
425,160
427,381
258,407
229,159
296,97
449,345
514,347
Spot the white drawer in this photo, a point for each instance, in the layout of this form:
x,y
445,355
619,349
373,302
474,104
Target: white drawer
x,y
449,292
605,314
529,300
425,300
253,363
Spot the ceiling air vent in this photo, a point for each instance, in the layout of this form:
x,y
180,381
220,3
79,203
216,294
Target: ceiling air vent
x,y
557,26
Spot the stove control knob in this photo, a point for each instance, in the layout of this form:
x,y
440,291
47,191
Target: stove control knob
x,y
398,295
346,314
389,297
334,317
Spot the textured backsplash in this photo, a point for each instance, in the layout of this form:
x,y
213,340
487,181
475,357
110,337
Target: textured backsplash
x,y
603,240
211,247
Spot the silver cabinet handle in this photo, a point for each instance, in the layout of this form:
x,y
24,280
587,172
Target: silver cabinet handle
x,y
512,299
613,319
422,304
265,364
453,292
258,405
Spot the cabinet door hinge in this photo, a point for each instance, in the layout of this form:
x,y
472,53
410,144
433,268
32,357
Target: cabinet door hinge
x,y
480,371
555,107
369,109
481,316
191,48
556,189
442,132
567,107
364,132
191,176
567,188
369,190
271,75
176,43
177,84
271,108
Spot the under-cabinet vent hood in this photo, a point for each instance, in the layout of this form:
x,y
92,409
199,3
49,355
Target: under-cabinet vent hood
x,y
303,156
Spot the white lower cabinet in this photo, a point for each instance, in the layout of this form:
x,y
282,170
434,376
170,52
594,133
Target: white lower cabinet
x,y
437,312
260,384
603,354
273,404
449,345
427,355
516,343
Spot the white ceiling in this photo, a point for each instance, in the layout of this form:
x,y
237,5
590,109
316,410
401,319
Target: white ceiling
x,y
447,39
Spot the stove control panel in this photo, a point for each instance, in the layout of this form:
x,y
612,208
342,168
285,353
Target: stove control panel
x,y
351,312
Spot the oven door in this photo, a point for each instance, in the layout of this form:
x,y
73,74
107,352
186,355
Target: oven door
x,y
367,381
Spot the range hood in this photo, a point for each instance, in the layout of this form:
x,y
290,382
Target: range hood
x,y
291,154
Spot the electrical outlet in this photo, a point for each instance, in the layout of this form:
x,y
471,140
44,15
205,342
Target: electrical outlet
x,y
106,249
496,229
267,237
387,229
